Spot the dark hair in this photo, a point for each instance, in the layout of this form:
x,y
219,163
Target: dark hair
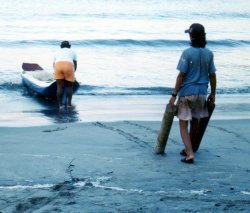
x,y
198,41
197,35
65,44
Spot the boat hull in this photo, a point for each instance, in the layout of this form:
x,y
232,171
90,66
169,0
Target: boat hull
x,y
47,90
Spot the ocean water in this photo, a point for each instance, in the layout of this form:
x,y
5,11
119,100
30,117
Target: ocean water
x,y
127,55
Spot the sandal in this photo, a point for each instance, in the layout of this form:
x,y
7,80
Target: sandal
x,y
189,161
183,152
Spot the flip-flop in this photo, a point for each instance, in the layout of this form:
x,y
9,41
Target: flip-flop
x,y
189,161
183,152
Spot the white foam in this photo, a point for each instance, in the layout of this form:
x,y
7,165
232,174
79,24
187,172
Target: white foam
x,y
36,186
245,192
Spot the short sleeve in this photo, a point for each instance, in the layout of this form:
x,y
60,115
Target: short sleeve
x,y
183,63
212,68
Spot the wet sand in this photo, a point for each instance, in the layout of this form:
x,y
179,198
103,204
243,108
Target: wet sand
x,y
111,167
34,111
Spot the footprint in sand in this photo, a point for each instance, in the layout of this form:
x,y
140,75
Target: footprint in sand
x,y
54,130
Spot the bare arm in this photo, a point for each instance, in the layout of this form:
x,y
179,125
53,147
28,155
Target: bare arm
x,y
75,64
178,84
211,97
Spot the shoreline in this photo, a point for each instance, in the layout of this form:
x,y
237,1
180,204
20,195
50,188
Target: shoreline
x,y
36,112
110,167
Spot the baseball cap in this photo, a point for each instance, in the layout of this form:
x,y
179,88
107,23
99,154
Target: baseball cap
x,y
196,30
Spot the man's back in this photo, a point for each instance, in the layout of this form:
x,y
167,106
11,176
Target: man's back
x,y
196,64
65,54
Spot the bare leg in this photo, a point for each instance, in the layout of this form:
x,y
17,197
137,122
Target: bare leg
x,y
193,130
60,84
186,139
69,87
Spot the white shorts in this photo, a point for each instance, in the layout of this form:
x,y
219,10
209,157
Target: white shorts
x,y
193,106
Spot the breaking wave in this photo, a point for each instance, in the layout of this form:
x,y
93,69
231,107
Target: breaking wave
x,y
92,90
157,43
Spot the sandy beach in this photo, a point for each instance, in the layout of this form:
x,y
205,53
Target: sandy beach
x,y
111,167
97,157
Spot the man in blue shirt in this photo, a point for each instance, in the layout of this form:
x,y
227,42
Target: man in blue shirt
x,y
196,71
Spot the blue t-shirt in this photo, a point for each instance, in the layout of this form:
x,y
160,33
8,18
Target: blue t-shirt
x,y
196,63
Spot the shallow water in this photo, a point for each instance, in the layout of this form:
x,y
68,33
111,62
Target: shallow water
x,y
126,49
33,111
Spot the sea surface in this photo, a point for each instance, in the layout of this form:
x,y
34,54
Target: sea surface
x,y
127,56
